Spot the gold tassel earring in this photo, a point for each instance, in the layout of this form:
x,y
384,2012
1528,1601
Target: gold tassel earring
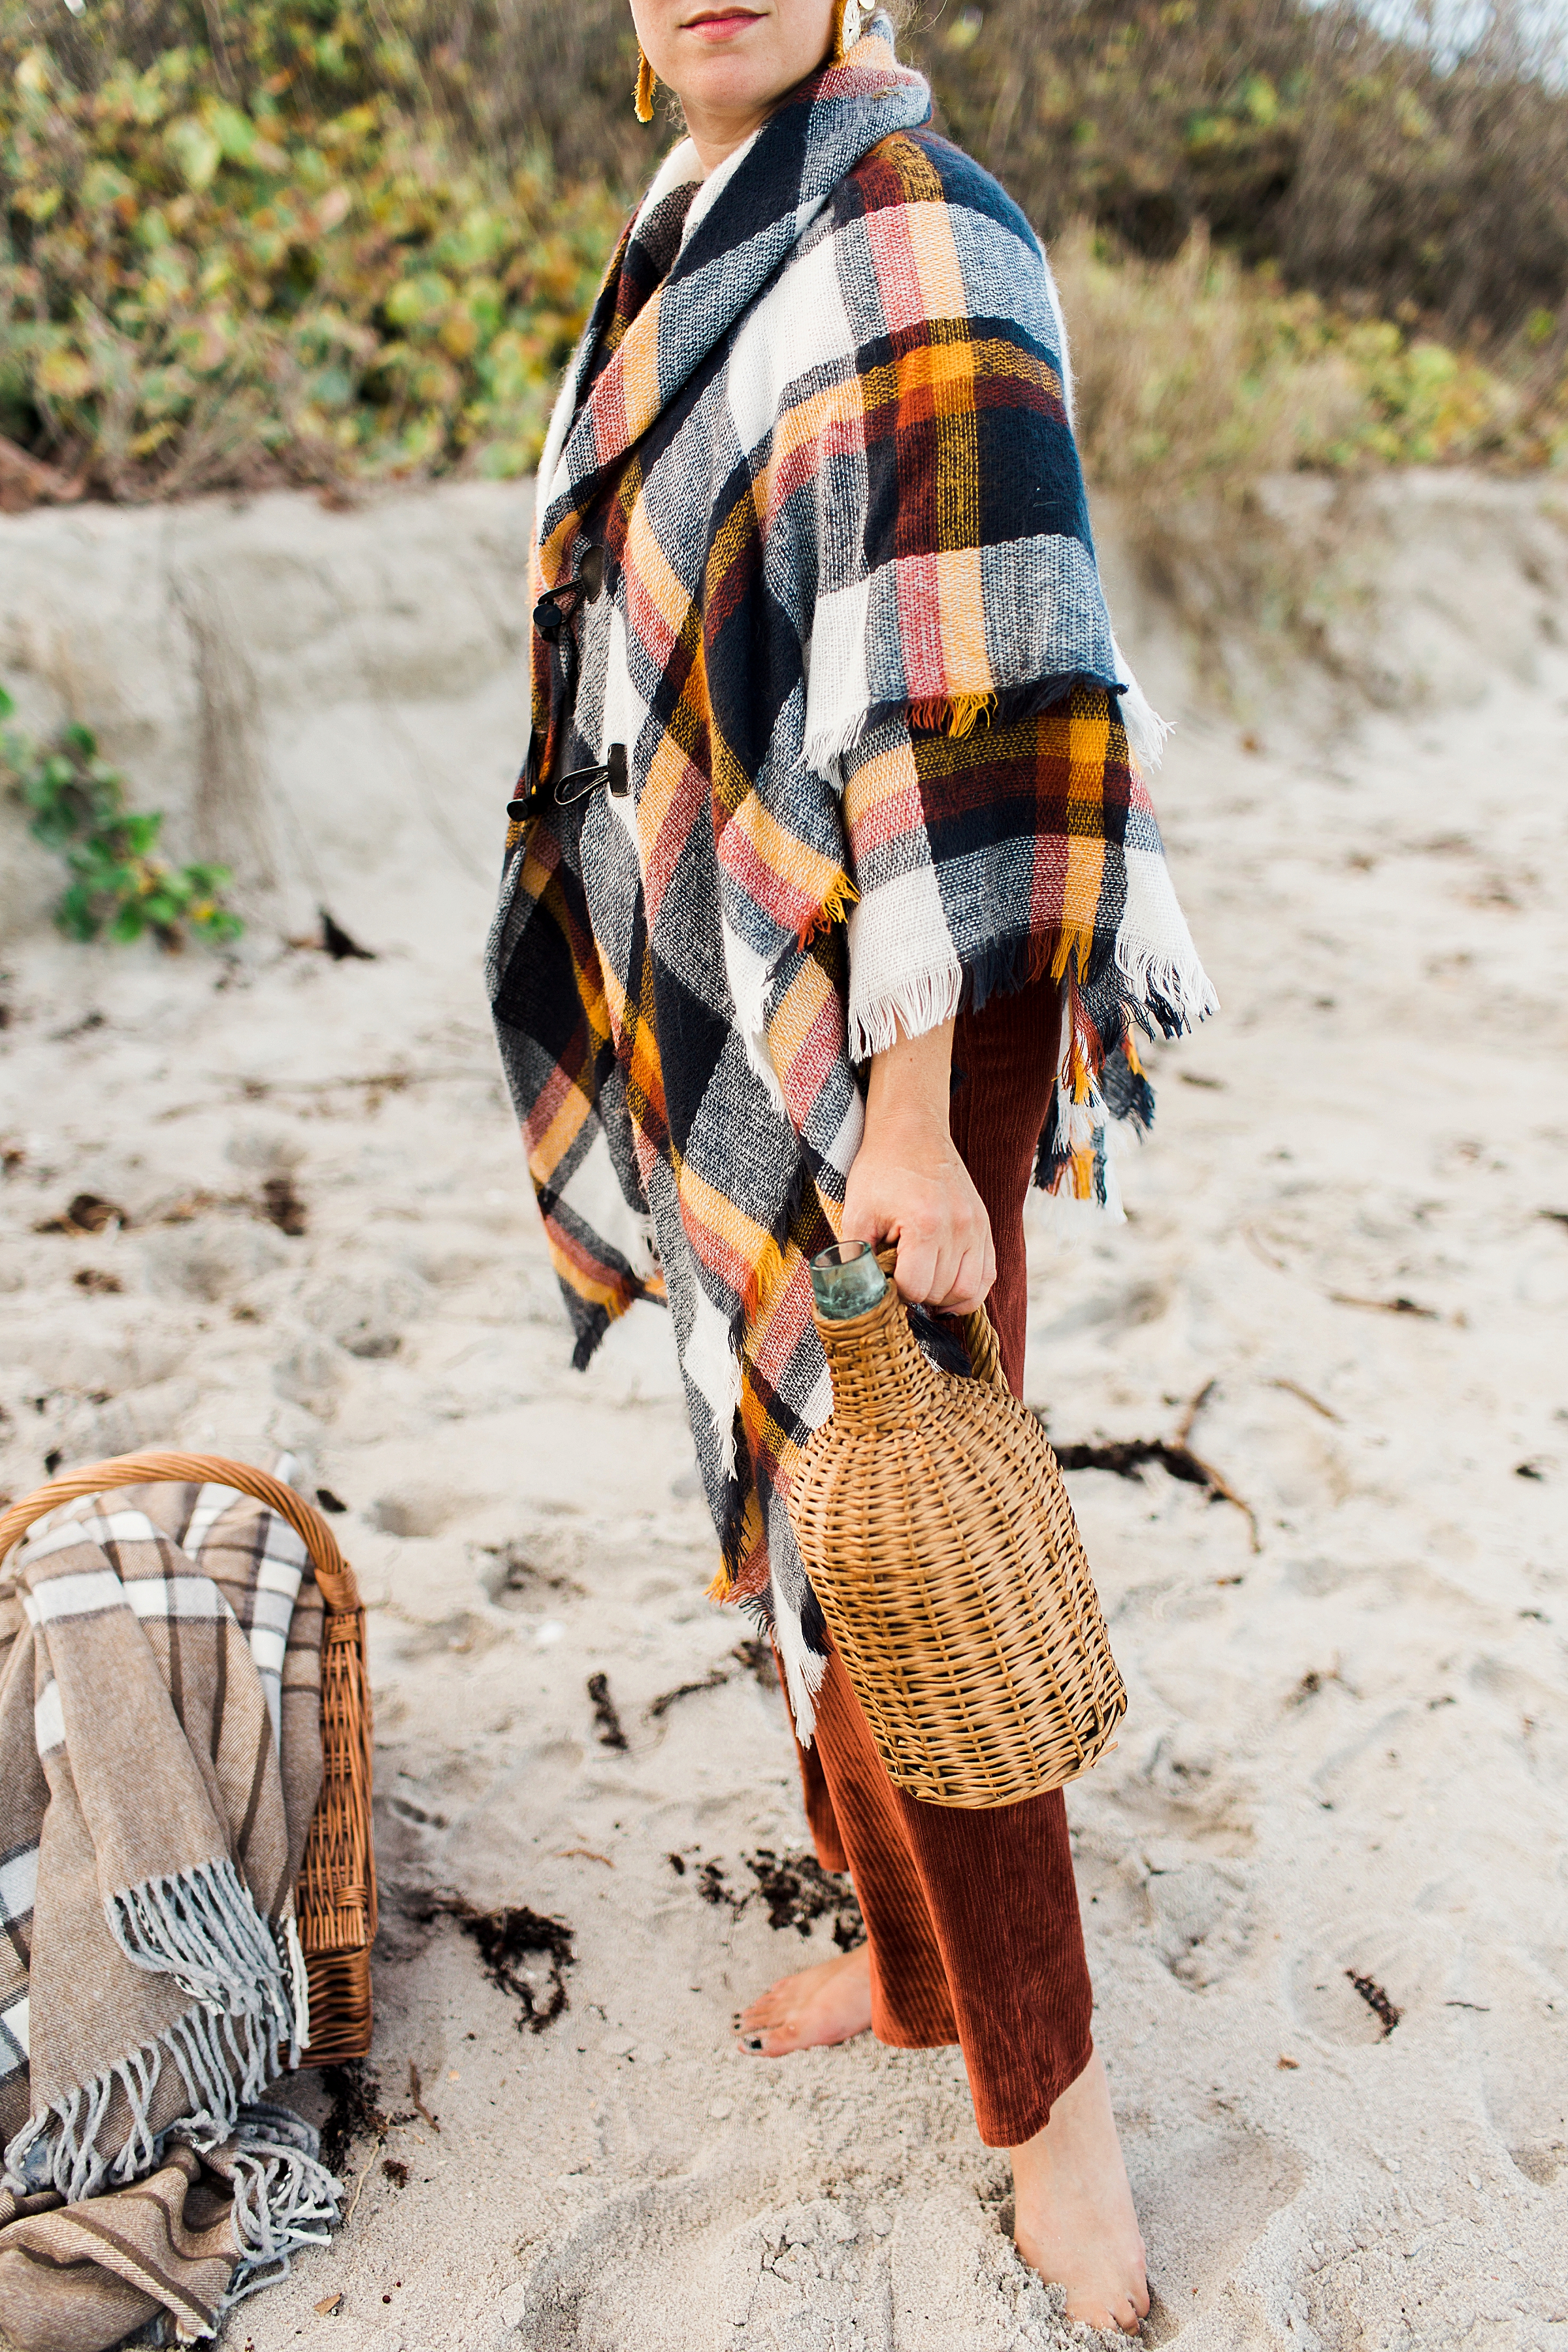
x,y
647,85
848,24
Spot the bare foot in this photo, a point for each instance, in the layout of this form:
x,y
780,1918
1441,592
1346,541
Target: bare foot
x,y
1074,2219
831,2003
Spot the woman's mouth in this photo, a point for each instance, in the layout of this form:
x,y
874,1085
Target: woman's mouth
x,y
720,24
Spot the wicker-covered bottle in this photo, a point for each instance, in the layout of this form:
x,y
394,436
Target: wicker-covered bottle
x,y
936,1529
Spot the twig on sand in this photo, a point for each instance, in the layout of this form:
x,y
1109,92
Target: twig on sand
x,y
1259,1248
713,1679
1190,1417
752,1657
365,2172
1377,2000
1294,1388
415,2092
604,1713
1126,1456
378,1082
335,941
1401,1306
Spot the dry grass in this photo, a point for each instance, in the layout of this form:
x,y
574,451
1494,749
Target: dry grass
x,y
1203,376
1372,170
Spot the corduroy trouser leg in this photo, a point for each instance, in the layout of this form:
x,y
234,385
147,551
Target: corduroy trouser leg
x,y
972,1917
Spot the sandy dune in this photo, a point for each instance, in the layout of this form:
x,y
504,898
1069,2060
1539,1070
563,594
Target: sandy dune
x,y
1347,1752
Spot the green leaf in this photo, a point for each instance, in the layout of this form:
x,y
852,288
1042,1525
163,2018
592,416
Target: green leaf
x,y
234,132
195,150
74,914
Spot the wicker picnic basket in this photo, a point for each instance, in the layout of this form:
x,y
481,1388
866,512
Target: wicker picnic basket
x,y
335,1895
938,1534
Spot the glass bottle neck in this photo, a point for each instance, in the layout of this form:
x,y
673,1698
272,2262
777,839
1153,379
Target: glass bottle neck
x,y
845,1281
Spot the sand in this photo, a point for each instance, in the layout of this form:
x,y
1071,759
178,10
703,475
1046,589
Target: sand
x,y
1347,1748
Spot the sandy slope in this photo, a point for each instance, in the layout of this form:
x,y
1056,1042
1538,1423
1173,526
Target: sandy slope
x,y
1347,1749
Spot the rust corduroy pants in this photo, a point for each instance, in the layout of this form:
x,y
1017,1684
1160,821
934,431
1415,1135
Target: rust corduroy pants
x,y
972,1918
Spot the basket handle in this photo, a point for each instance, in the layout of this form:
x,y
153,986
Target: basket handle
x,y
979,1332
340,1590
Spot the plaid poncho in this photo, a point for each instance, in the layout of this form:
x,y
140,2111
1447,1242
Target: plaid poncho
x,y
830,733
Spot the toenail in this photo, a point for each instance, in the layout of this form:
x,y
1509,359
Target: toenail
x,y
752,2043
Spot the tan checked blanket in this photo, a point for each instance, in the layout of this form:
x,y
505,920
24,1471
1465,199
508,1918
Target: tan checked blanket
x,y
159,1760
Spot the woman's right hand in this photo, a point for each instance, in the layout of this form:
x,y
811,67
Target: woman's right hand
x,y
908,1185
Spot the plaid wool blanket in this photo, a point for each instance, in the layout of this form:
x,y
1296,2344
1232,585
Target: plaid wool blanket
x,y
159,1760
830,734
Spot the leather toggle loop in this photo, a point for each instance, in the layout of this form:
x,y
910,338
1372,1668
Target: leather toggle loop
x,y
578,782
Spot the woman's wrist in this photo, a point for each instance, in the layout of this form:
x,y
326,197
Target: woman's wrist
x,y
911,1080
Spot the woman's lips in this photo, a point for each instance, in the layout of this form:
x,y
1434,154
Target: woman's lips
x,y
721,27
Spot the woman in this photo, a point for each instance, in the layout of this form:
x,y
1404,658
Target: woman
x,y
832,898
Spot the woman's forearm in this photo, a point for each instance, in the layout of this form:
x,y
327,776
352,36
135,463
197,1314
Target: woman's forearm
x,y
911,1079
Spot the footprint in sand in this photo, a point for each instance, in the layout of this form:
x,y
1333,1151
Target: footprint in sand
x,y
1203,2199
1356,1973
670,2268
365,1314
421,1510
1519,2026
1199,1913
209,1259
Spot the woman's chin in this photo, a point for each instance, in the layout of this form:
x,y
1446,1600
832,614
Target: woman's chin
x,y
728,86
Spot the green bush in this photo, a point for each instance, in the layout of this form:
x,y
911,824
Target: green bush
x,y
200,289
117,887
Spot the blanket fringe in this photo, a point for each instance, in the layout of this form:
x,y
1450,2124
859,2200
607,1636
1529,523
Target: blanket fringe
x,y
950,714
1075,1162
1174,989
284,2198
921,1000
203,1928
1146,731
834,908
299,1986
58,2147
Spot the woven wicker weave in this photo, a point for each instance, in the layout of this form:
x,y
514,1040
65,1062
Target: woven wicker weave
x,y
938,1534
335,1896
